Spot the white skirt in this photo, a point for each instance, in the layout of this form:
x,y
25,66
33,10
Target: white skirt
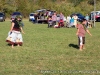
x,y
14,37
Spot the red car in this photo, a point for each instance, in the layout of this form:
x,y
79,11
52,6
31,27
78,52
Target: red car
x,y
97,16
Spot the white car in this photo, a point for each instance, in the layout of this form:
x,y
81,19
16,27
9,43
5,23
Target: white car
x,y
31,16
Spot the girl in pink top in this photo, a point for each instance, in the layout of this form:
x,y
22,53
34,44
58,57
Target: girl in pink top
x,y
81,31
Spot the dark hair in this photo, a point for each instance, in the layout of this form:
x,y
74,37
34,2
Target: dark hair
x,y
82,20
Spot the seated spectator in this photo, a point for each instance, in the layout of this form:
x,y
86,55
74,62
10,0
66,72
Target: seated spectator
x,y
71,22
60,24
68,21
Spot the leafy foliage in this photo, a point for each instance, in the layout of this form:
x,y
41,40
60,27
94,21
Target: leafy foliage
x,y
65,6
75,2
91,2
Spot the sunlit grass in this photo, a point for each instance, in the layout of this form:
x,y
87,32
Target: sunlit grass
x,y
47,51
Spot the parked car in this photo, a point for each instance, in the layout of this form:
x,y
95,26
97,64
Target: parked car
x,y
41,14
97,16
14,14
31,16
2,17
80,16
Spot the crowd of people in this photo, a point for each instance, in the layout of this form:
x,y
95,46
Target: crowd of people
x,y
71,21
55,21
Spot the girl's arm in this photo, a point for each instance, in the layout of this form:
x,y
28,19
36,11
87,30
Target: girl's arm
x,y
88,32
12,25
22,30
77,32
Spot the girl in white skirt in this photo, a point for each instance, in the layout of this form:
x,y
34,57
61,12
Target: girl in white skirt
x,y
14,35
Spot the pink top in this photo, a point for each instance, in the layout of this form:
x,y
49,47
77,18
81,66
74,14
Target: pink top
x,y
54,18
82,30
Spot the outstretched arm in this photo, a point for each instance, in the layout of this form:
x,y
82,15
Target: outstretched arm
x,y
88,32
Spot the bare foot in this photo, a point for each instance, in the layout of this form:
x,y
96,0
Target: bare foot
x,y
12,46
80,49
18,45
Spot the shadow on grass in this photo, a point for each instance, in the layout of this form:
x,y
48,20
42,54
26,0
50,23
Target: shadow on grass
x,y
11,45
74,46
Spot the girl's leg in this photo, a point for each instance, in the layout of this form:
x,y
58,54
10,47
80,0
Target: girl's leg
x,y
80,43
81,47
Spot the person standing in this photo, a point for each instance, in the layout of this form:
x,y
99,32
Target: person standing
x,y
71,22
87,18
35,18
61,16
54,19
68,21
81,31
75,19
15,36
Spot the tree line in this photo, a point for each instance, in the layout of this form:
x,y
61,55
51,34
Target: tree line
x,y
65,6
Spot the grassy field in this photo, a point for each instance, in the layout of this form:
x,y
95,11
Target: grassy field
x,y
49,51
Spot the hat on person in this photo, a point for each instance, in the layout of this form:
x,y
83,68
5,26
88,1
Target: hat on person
x,y
19,16
82,20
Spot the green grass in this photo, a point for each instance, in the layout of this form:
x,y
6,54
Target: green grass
x,y
47,51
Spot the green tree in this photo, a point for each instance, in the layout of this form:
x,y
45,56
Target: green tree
x,y
75,2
